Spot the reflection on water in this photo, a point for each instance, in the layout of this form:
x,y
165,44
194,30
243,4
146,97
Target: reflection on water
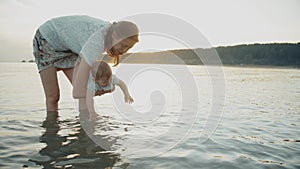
x,y
73,150
259,129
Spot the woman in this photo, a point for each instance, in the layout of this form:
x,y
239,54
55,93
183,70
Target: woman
x,y
72,44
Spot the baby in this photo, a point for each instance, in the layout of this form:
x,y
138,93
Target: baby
x,y
106,81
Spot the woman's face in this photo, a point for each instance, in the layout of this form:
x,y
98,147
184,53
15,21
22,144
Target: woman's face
x,y
122,47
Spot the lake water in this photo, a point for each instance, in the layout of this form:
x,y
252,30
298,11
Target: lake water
x,y
259,126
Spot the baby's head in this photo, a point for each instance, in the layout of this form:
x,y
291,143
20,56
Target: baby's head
x,y
101,72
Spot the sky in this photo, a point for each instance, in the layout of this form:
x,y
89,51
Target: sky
x,y
222,22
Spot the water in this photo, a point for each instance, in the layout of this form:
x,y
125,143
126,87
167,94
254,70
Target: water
x,y
259,127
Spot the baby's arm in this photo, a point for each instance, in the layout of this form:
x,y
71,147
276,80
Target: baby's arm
x,y
128,98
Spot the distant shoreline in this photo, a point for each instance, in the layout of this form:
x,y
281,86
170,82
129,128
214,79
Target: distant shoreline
x,y
262,66
271,55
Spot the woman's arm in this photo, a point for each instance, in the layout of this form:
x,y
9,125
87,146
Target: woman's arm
x,y
128,98
90,104
80,79
86,106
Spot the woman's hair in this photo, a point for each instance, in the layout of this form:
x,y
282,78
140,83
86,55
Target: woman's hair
x,y
124,30
101,69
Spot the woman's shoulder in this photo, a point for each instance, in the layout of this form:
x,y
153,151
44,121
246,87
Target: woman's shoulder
x,y
81,18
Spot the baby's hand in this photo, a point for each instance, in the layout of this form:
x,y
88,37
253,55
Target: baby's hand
x,y
129,99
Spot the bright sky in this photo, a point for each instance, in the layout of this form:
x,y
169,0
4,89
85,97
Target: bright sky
x,y
223,22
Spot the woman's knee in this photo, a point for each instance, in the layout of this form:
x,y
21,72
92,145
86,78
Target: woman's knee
x,y
52,97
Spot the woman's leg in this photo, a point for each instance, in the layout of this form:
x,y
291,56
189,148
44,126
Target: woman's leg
x,y
83,109
51,88
69,73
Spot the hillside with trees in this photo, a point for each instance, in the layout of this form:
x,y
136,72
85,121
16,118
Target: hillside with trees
x,y
276,54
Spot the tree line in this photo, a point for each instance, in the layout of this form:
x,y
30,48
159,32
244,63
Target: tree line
x,y
274,54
